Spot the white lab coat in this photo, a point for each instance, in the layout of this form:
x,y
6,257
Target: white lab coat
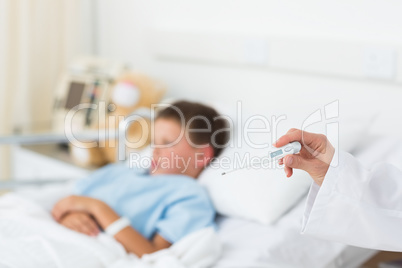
x,y
357,206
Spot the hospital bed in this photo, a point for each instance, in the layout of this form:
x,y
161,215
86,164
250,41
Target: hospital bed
x,y
248,243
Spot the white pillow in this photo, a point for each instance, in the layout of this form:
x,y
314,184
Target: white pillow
x,y
258,194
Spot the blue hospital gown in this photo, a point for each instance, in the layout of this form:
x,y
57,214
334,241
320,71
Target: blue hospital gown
x,y
170,205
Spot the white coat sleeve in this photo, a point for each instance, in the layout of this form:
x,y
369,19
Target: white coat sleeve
x,y
357,206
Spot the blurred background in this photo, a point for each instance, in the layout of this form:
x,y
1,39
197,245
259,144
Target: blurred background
x,y
293,56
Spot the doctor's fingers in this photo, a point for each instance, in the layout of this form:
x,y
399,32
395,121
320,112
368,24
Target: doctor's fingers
x,y
311,140
288,171
296,161
316,168
293,134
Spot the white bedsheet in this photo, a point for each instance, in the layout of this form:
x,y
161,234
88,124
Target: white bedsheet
x,y
29,237
248,244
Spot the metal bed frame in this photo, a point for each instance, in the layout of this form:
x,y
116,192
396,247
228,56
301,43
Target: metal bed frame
x,y
57,138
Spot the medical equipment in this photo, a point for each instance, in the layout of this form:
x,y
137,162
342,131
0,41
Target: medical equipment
x,y
278,153
82,88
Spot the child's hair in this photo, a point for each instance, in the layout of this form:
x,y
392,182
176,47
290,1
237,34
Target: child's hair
x,y
197,116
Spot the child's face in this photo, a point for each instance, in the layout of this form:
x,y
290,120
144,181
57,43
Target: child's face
x,y
176,155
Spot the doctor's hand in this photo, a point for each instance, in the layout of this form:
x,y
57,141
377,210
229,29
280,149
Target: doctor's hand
x,y
314,157
80,222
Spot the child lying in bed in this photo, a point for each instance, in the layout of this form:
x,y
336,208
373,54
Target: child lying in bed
x,y
163,206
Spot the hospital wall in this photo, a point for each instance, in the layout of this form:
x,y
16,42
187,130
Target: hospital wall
x,y
270,54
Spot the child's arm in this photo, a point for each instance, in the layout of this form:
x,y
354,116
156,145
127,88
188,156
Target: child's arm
x,y
132,240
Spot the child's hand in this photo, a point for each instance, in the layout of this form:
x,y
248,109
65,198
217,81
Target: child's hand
x,y
81,222
75,203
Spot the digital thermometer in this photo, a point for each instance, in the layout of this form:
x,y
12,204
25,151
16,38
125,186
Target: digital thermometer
x,y
278,153
291,148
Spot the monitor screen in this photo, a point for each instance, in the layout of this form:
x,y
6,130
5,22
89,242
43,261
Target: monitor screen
x,y
74,94
276,153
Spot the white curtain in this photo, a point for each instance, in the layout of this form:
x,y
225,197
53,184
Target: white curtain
x,y
38,38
